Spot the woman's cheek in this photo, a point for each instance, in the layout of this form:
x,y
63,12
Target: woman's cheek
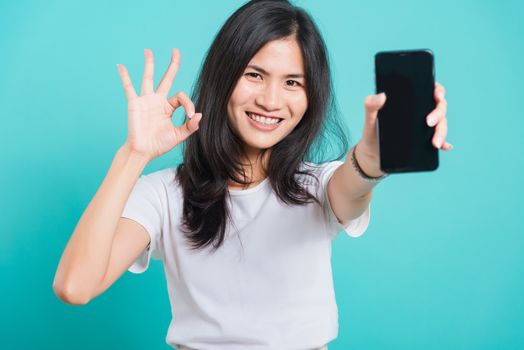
x,y
242,92
299,104
250,91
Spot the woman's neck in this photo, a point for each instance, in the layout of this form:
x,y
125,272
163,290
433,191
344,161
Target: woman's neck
x,y
254,170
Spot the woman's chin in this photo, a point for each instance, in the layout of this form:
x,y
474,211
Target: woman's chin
x,y
255,147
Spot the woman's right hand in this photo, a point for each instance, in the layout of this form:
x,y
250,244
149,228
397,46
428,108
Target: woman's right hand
x,y
151,132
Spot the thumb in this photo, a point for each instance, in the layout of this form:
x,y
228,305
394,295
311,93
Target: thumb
x,y
373,104
189,127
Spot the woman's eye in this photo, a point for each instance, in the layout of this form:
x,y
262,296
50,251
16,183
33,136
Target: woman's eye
x,y
253,75
293,83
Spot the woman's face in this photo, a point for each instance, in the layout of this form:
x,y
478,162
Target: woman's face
x,y
272,85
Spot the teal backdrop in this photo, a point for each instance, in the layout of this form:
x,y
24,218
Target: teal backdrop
x,y
441,264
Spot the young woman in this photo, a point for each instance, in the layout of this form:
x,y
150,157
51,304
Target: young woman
x,y
244,225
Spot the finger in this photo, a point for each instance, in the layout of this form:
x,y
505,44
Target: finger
x,y
126,82
439,92
181,99
147,78
189,127
447,146
372,104
438,113
441,130
169,76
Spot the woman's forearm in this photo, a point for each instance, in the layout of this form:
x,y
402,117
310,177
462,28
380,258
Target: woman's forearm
x,y
348,193
86,256
352,185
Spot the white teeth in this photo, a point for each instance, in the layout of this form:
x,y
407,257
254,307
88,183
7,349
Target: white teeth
x,y
263,120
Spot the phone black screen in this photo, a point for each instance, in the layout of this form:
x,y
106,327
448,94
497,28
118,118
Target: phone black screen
x,y
407,78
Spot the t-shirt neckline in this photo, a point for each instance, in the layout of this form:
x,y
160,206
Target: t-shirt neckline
x,y
249,190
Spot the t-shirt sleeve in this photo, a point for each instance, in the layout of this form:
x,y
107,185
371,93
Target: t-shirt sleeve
x,y
355,227
145,207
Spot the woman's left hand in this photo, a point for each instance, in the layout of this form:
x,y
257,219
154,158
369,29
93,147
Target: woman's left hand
x,y
368,146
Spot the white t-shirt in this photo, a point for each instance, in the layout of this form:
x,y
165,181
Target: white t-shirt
x,y
268,287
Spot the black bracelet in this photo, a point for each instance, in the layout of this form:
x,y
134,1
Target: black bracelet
x,y
359,170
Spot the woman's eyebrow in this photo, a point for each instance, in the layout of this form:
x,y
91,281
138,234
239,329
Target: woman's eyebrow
x,y
263,71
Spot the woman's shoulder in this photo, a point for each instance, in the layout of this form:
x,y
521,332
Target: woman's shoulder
x,y
312,173
162,179
160,174
319,168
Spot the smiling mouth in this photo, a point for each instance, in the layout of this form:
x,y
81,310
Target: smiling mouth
x,y
264,120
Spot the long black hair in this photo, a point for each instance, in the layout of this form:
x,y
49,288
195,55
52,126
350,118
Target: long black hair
x,y
213,155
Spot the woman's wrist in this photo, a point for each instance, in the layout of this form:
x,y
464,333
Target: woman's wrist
x,y
126,152
367,167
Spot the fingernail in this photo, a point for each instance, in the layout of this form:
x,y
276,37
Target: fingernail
x,y
431,121
438,142
378,98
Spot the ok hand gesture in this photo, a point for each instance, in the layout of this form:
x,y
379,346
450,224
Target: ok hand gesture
x,y
151,132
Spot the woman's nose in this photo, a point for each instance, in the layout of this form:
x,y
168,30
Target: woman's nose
x,y
270,97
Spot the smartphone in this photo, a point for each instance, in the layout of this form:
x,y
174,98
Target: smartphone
x,y
408,79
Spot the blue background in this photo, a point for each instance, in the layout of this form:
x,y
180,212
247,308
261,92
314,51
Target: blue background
x,y
441,265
